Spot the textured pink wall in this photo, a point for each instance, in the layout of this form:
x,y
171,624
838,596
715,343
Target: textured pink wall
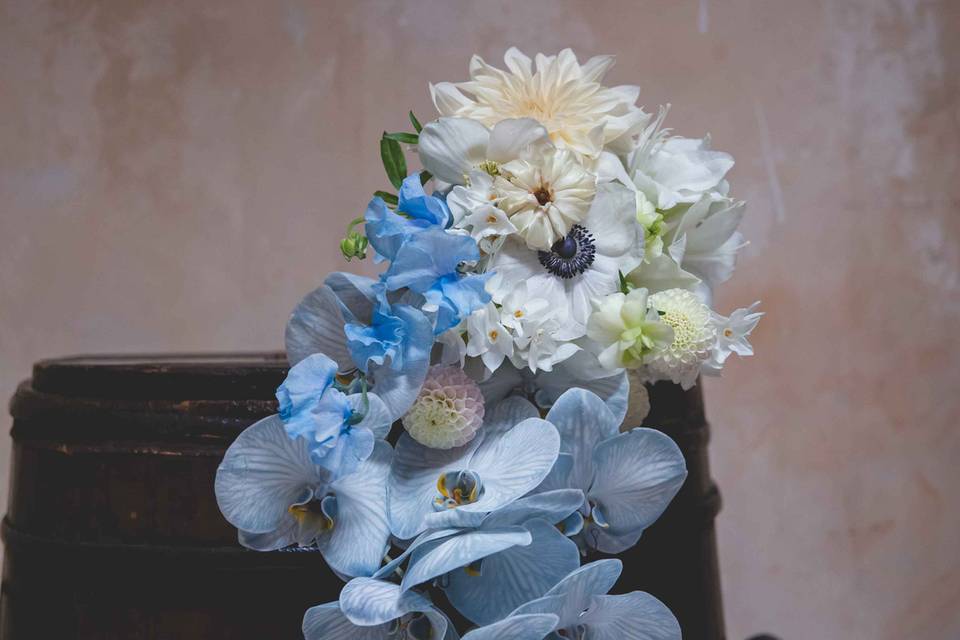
x,y
174,176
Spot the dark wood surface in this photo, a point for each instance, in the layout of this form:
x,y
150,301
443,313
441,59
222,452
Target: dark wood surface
x,y
113,530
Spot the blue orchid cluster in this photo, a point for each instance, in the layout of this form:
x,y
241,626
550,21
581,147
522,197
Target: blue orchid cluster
x,y
444,430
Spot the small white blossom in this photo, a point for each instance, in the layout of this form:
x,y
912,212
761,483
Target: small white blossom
x,y
488,338
732,335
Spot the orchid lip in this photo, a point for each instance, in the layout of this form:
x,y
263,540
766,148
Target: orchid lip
x,y
457,488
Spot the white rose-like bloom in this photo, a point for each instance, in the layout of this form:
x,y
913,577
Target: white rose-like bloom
x,y
580,113
544,196
694,334
449,410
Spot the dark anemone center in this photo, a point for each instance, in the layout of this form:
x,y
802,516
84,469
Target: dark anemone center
x,y
570,256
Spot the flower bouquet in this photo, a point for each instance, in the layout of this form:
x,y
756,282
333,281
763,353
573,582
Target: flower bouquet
x,y
452,431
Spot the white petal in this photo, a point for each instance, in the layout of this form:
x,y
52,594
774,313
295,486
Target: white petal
x,y
511,138
450,147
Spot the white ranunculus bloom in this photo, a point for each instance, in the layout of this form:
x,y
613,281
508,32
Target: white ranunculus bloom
x,y
580,113
711,240
452,148
583,267
545,195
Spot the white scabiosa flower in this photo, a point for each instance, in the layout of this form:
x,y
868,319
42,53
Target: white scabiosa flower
x,y
579,113
694,334
449,410
545,195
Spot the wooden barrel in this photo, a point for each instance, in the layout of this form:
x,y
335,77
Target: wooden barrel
x,y
113,530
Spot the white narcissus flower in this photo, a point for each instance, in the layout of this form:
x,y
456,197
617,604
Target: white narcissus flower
x,y
488,338
732,335
584,266
540,349
545,195
519,309
579,113
488,221
628,330
694,334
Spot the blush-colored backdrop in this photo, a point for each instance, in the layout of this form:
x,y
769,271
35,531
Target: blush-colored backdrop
x,y
175,175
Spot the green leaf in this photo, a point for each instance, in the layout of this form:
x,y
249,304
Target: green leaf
x,y
387,197
425,177
416,123
406,138
393,161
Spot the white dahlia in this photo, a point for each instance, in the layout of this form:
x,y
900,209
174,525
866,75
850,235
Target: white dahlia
x,y
579,113
449,410
544,196
694,334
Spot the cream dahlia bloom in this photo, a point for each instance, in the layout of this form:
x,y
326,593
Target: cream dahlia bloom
x,y
694,334
544,196
566,97
449,410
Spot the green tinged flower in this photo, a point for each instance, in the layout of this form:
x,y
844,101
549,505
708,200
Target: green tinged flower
x,y
628,330
653,225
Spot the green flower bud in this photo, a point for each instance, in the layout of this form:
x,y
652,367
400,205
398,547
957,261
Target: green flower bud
x,y
354,246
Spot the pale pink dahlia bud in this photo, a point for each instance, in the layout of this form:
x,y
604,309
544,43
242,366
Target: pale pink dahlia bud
x,y
449,410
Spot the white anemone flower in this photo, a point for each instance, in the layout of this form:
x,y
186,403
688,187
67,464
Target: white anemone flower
x,y
580,113
581,267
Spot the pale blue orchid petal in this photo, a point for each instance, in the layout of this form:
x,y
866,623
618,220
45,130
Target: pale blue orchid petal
x,y
359,538
506,413
399,388
551,506
559,476
367,602
426,537
636,615
283,536
376,416
327,622
317,322
514,463
522,627
636,475
513,576
262,473
412,486
572,524
454,518
436,559
618,399
583,421
573,594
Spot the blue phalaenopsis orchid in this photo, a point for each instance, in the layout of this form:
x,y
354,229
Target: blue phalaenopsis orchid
x,y
269,487
388,230
628,478
376,610
339,429
584,611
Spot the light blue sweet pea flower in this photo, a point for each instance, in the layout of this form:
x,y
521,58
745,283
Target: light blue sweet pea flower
x,y
416,211
396,353
428,264
436,488
376,610
269,487
583,609
628,478
339,429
